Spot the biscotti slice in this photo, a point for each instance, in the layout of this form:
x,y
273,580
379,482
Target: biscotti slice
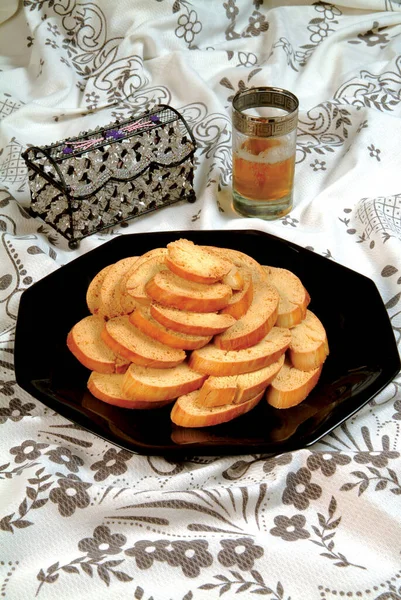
x,y
108,388
241,300
154,385
187,412
235,389
169,289
255,324
93,291
291,386
126,339
191,322
240,259
215,361
195,263
294,298
110,305
139,277
85,342
309,345
142,318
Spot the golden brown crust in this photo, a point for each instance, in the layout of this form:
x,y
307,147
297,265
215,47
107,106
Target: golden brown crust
x,y
100,387
291,386
168,289
186,411
191,322
125,339
143,320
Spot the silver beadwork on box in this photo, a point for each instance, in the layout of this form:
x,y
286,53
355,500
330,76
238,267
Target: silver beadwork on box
x,y
112,174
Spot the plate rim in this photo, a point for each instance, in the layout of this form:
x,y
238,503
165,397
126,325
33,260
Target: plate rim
x,y
195,448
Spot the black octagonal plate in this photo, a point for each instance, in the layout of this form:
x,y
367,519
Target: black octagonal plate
x,y
363,354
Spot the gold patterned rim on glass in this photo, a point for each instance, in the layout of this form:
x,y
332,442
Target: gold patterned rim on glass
x,y
265,126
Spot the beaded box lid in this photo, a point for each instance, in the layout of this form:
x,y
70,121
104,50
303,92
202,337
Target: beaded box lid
x,y
111,174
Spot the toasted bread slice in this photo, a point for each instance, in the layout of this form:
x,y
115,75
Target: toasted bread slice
x,y
309,346
255,324
187,412
169,289
294,299
234,278
142,318
240,259
110,305
87,346
154,385
125,339
195,263
139,277
93,291
108,388
191,322
291,386
241,300
215,361
235,389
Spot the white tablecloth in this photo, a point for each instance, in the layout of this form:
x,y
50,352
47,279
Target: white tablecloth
x,y
81,518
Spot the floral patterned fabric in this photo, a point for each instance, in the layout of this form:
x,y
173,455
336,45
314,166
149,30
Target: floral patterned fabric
x,y
80,518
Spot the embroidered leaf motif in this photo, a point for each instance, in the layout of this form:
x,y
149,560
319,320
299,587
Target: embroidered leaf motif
x,y
226,83
393,301
6,280
87,569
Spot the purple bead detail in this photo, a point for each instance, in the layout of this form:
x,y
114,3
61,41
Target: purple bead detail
x,y
67,150
114,133
155,119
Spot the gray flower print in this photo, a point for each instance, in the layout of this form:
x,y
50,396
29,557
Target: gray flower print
x,y
241,553
374,152
188,27
329,11
271,463
378,458
64,456
70,495
287,220
103,542
231,10
190,556
318,165
290,529
373,37
29,450
92,100
299,489
146,552
257,24
247,59
15,410
7,387
327,462
397,407
112,463
319,32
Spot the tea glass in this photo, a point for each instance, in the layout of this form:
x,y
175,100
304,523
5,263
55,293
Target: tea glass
x,y
264,144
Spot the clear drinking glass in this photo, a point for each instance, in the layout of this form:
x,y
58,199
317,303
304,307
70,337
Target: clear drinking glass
x,y
264,143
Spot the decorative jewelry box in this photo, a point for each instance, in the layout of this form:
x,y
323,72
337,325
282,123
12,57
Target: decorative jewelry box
x,y
111,174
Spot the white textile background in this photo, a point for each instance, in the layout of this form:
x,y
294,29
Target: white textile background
x,y
80,518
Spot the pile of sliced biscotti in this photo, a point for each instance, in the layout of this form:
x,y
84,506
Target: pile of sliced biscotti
x,y
206,329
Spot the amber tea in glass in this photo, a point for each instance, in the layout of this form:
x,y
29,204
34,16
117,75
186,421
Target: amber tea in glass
x,y
264,143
